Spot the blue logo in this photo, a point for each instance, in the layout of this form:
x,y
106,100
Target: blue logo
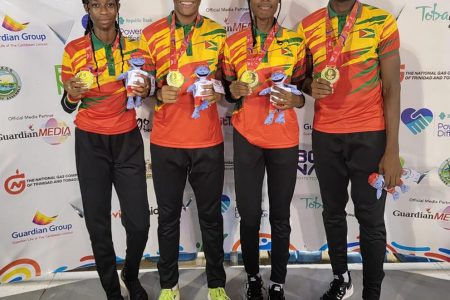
x,y
417,120
226,203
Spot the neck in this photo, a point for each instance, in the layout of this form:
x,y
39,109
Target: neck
x,y
185,20
106,36
264,25
342,6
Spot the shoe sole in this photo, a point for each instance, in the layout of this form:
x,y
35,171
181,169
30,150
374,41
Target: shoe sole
x,y
349,293
123,289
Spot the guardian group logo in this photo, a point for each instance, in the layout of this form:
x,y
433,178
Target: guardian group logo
x,y
19,34
417,120
10,84
12,25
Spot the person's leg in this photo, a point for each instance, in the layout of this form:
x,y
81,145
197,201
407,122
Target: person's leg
x,y
249,169
206,178
169,168
131,187
94,168
333,179
281,165
365,152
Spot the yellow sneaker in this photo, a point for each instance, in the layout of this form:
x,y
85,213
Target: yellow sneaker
x,y
169,294
217,294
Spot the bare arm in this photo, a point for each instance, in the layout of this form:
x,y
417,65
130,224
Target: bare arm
x,y
390,77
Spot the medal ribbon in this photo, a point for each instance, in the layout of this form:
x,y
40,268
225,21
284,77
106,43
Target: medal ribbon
x,y
253,60
174,54
90,54
333,51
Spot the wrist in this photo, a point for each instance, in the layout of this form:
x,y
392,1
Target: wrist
x,y
159,95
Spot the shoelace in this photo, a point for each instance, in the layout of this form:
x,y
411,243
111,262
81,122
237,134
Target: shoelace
x,y
219,293
167,294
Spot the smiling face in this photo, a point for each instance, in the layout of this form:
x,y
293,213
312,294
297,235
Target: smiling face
x,y
202,71
264,9
278,77
186,8
103,13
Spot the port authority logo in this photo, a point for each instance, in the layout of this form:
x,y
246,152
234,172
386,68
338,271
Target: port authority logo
x,y
10,84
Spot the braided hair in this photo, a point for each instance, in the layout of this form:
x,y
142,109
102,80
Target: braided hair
x,y
90,29
253,22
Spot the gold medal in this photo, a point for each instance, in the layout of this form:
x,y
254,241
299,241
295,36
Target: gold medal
x,y
251,78
86,77
175,79
330,74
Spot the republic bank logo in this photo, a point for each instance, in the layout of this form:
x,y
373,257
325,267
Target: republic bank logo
x,y
417,120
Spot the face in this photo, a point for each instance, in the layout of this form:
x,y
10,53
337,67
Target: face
x,y
264,9
186,8
103,13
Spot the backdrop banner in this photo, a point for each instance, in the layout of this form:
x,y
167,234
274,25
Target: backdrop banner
x,y
42,228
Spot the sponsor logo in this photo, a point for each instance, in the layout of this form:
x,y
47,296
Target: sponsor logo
x,y
19,37
305,166
53,132
311,201
116,214
148,169
226,121
15,184
442,217
10,84
443,116
18,270
429,201
144,125
417,120
225,203
427,75
154,211
229,165
59,83
46,229
265,243
307,129
130,27
237,19
41,219
432,13
12,25
444,172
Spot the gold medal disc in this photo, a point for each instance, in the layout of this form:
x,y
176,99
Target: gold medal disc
x,y
330,74
251,78
175,79
86,77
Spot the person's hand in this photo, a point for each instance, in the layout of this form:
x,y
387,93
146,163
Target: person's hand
x,y
75,88
141,89
391,168
209,94
321,88
283,99
240,89
168,94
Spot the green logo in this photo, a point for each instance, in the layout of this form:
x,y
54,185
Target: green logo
x,y
121,20
444,172
59,83
10,83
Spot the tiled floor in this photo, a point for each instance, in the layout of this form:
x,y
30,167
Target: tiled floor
x,y
430,281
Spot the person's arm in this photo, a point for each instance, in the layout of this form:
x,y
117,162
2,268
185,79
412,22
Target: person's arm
x,y
390,76
74,88
389,58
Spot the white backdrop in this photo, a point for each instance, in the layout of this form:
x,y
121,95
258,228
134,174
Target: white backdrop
x,y
42,229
